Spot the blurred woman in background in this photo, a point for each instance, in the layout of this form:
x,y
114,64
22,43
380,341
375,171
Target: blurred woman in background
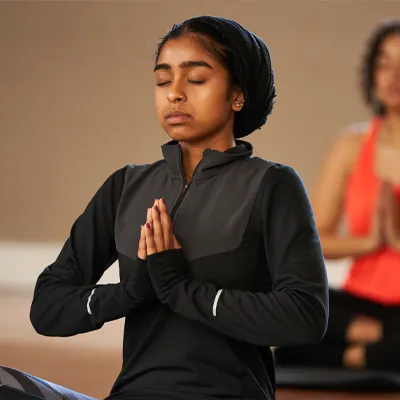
x,y
360,180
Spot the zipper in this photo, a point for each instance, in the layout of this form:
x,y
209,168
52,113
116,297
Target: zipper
x,y
184,191
179,202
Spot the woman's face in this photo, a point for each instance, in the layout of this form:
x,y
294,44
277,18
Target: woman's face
x,y
387,73
193,99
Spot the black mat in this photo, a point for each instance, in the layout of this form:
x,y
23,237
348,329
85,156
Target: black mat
x,y
337,379
8,393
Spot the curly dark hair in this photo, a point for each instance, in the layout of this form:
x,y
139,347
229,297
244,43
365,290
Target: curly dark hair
x,y
384,30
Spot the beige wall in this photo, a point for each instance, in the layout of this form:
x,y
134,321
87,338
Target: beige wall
x,y
76,93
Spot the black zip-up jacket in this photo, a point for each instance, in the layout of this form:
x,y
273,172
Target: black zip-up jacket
x,y
199,321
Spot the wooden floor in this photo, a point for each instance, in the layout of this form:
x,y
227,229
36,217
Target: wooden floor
x,y
90,363
93,372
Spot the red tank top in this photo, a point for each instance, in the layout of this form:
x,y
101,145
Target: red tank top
x,y
375,276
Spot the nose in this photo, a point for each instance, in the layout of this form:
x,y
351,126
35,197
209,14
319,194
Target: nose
x,y
176,93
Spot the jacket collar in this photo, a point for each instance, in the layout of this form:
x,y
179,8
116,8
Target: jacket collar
x,y
213,161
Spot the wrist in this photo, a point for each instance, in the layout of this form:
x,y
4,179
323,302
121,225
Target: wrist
x,y
393,239
166,270
370,245
138,285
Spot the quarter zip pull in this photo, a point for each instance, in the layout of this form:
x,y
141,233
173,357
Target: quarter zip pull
x,y
179,202
186,187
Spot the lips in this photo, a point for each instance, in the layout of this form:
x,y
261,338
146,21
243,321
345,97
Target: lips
x,y
172,114
394,89
177,117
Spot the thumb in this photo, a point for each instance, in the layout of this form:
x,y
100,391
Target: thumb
x,y
381,199
142,249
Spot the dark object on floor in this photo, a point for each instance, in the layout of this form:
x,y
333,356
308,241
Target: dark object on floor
x,y
8,393
337,379
18,385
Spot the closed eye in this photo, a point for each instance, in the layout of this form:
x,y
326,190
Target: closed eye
x,y
162,83
197,82
190,81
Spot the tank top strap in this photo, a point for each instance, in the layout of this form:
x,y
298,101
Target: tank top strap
x,y
365,159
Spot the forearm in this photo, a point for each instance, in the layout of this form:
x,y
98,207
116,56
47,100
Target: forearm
x,y
264,319
62,309
334,247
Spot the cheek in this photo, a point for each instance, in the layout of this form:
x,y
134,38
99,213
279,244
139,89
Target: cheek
x,y
211,102
381,80
160,100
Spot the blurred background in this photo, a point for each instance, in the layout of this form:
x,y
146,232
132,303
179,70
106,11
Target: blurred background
x,y
76,103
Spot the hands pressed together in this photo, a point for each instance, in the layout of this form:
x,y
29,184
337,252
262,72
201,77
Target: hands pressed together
x,y
385,230
157,233
161,252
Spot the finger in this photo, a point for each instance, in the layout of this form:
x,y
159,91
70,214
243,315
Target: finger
x,y
176,243
150,243
391,195
166,223
150,217
382,198
387,200
157,228
387,194
142,253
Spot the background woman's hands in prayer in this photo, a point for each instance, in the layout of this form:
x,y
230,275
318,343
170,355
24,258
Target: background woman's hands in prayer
x,y
158,232
377,237
391,217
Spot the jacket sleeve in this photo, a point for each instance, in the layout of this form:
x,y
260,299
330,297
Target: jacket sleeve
x,y
295,311
66,299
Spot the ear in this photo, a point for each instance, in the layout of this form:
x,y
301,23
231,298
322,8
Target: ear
x,y
237,101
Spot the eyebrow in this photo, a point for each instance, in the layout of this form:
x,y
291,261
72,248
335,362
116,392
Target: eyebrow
x,y
184,65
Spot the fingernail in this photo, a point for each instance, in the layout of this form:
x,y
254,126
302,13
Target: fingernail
x,y
148,225
163,201
156,208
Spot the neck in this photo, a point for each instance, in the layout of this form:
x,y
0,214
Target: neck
x,y
391,122
192,153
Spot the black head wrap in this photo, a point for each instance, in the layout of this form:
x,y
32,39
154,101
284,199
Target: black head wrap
x,y
253,69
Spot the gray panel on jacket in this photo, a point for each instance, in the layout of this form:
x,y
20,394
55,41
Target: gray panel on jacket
x,y
213,216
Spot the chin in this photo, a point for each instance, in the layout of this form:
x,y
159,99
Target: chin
x,y
391,101
393,107
182,133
